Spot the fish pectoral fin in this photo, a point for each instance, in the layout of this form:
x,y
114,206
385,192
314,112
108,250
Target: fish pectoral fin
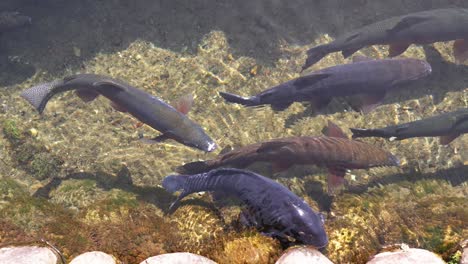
x,y
445,140
319,103
335,178
247,219
279,166
86,95
308,80
368,102
460,50
348,52
396,49
118,107
361,58
157,139
406,22
333,130
280,106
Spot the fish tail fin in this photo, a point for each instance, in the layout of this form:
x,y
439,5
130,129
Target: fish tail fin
x,y
314,55
194,167
173,183
359,132
39,95
233,98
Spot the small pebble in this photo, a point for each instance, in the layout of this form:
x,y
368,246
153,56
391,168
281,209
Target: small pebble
x,y
178,258
308,255
33,132
94,257
27,255
407,256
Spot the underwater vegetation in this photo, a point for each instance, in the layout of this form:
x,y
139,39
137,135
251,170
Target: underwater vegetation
x,y
79,177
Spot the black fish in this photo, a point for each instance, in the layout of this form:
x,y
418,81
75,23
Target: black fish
x,y
125,98
274,208
447,126
400,32
369,79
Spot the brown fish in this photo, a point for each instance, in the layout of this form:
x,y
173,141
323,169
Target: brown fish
x,y
333,151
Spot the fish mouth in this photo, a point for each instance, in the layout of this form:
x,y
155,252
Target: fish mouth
x,y
427,70
394,160
211,146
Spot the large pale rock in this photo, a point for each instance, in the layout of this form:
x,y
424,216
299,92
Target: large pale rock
x,y
27,255
178,258
308,255
464,258
407,256
94,257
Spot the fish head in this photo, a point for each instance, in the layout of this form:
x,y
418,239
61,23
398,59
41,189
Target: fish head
x,y
200,140
308,227
415,69
393,160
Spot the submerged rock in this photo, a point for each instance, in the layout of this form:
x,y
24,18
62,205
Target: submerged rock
x,y
178,258
27,255
94,257
303,255
407,256
464,257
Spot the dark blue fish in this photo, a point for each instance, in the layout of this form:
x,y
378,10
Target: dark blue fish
x,y
369,79
173,123
275,209
400,32
447,126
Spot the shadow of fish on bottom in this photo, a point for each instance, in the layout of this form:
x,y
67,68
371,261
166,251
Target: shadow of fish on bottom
x,y
275,210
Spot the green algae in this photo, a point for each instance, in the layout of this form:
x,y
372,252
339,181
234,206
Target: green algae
x,y
11,131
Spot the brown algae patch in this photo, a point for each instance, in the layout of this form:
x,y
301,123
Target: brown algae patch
x,y
94,139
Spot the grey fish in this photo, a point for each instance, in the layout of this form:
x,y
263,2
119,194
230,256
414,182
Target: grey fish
x,y
400,32
447,126
368,78
125,98
12,20
275,209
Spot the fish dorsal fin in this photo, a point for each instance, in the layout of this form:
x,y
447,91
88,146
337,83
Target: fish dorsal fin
x,y
361,58
333,130
406,22
184,104
308,80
